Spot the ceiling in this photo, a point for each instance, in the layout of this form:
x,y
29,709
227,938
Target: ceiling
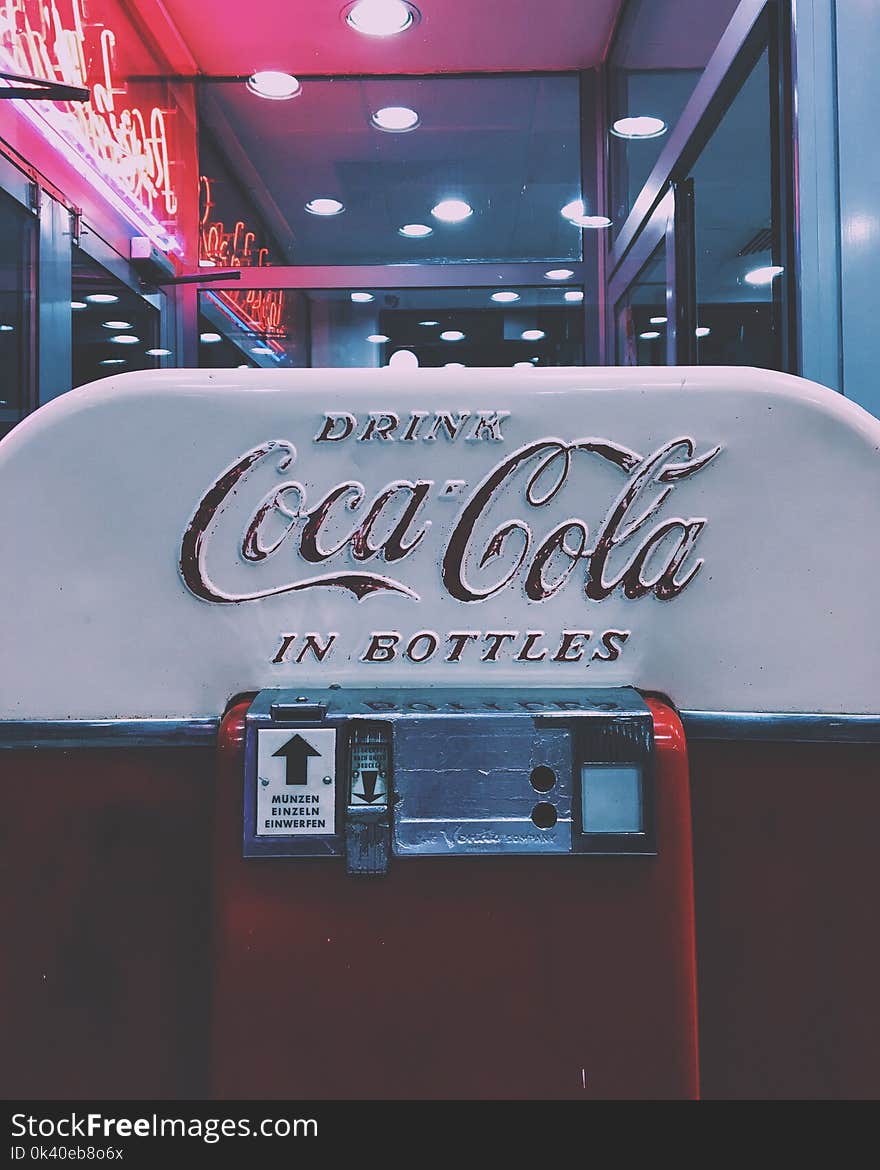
x,y
509,146
674,34
225,38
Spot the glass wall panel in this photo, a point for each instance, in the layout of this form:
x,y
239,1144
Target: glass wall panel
x,y
114,329
253,327
659,53
641,322
429,327
17,250
406,170
736,233
232,232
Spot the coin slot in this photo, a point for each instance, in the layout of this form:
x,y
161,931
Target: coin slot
x,y
542,778
544,814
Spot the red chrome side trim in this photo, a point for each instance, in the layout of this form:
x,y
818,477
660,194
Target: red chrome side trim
x,y
671,747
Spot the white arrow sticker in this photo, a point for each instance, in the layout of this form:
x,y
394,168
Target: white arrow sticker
x,y
296,782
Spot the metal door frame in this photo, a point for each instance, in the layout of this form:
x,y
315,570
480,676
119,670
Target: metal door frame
x,y
665,204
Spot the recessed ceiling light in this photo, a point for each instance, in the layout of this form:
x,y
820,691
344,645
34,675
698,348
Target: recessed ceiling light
x,y
324,207
650,335
403,358
158,352
452,210
657,320
429,322
454,366
590,221
532,334
452,335
576,213
264,349
574,294
559,274
523,366
112,362
639,127
505,298
125,339
759,276
78,305
274,85
381,18
362,298
6,327
116,324
395,119
102,299
416,230
702,331
378,338
210,338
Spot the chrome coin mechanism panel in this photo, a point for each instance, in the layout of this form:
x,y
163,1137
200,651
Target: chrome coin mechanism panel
x,y
376,776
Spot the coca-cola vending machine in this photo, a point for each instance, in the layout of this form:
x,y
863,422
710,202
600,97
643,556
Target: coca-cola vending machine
x,y
359,724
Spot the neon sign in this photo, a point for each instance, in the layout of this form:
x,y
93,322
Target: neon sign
x,y
260,310
124,145
257,311
235,249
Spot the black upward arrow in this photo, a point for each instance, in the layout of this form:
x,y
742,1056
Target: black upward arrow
x,y
297,751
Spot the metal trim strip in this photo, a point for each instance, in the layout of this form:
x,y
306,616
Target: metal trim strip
x,y
760,726
22,734
769,726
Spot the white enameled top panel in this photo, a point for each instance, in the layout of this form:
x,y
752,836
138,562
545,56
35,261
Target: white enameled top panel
x,y
172,538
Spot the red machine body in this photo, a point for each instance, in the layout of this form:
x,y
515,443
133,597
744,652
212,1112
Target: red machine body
x,y
461,977
107,984
700,534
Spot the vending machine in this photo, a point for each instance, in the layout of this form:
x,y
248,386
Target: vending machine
x,y
444,733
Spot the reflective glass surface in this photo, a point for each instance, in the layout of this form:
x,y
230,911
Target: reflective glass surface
x,y
17,231
471,168
641,316
611,798
659,53
736,233
253,327
113,328
429,327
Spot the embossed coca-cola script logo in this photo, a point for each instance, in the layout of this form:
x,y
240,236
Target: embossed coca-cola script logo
x,y
633,548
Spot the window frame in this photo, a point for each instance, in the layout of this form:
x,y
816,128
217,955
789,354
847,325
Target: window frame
x,y
756,26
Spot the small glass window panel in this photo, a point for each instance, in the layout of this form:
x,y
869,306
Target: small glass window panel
x,y
611,798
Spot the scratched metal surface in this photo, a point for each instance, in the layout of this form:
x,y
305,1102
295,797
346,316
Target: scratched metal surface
x,y
463,791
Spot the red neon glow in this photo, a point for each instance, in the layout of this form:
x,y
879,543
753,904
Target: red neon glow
x,y
229,249
261,310
126,144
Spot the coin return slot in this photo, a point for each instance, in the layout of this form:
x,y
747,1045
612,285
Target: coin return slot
x,y
544,814
542,778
